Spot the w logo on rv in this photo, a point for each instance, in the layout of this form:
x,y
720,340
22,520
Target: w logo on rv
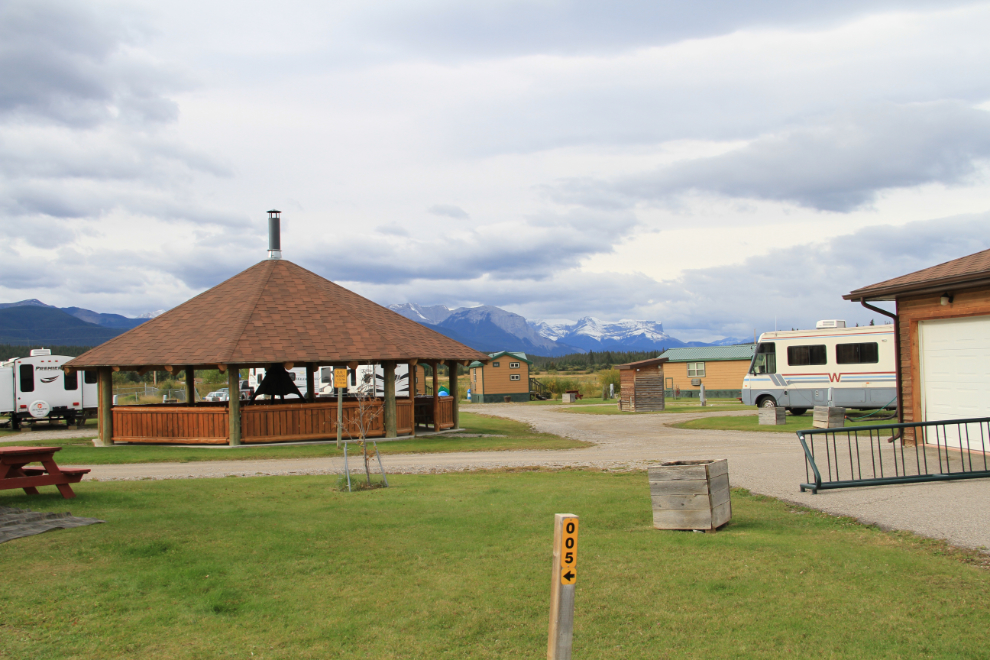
x,y
834,378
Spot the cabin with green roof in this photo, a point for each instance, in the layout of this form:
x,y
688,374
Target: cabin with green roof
x,y
505,377
719,368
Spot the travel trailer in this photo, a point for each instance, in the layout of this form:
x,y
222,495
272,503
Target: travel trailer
x,y
34,388
830,366
358,381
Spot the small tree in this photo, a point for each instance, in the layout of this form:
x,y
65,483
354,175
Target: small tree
x,y
367,413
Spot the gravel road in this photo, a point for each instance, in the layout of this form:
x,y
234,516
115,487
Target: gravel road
x,y
766,463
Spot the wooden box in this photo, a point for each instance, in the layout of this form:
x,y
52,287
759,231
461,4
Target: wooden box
x,y
690,494
567,397
773,416
829,418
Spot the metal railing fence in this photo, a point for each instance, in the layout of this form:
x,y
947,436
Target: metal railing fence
x,y
895,453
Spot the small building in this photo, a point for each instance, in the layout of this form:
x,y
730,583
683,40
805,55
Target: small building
x,y
720,369
505,375
942,330
642,385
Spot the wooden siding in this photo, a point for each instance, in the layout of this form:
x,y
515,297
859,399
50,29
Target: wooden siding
x,y
495,380
260,422
641,389
424,412
911,311
719,375
627,379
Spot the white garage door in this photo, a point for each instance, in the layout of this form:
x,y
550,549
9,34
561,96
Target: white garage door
x,y
955,369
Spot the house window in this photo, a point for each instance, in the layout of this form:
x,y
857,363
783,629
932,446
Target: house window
x,y
71,381
867,353
494,364
513,376
799,356
513,365
696,369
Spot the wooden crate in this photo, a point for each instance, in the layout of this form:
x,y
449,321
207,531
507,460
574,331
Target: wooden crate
x,y
567,397
773,416
690,494
829,418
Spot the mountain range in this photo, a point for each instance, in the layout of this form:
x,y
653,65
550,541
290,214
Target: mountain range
x,y
34,322
488,328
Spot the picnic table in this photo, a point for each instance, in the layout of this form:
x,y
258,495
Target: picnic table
x,y
13,474
577,393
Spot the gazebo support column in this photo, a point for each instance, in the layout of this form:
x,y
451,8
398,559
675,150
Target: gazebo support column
x,y
412,394
389,412
310,382
190,386
452,374
436,396
234,404
106,406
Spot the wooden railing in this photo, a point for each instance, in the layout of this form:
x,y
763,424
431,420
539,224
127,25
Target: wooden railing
x,y
425,414
260,423
171,424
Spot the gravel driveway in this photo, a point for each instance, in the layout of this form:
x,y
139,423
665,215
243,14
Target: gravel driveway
x,y
767,463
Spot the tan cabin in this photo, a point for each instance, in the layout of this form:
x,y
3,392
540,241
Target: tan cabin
x,y
642,385
505,375
720,369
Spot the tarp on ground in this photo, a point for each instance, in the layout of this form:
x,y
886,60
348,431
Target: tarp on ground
x,y
17,523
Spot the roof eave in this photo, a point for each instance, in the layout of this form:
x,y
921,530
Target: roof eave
x,y
918,288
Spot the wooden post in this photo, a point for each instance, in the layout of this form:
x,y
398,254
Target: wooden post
x,y
310,382
436,396
234,404
452,374
412,395
389,412
563,578
340,384
190,386
106,406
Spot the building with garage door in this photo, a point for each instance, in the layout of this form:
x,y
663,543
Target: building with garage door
x,y
942,330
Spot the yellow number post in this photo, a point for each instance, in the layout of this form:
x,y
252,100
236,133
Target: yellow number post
x,y
565,546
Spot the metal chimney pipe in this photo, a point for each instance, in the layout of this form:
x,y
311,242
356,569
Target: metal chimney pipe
x,y
274,235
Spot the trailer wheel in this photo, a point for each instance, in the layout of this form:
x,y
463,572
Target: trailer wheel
x,y
766,402
797,411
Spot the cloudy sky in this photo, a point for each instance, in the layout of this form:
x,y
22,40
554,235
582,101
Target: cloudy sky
x,y
714,165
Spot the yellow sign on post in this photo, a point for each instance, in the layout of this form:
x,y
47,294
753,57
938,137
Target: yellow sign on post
x,y
339,378
565,542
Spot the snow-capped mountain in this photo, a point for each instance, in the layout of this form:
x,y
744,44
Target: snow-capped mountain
x,y
594,334
430,314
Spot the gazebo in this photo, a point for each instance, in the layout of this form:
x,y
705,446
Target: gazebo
x,y
274,313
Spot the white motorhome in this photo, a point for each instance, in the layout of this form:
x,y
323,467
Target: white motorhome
x,y
35,388
831,365
358,381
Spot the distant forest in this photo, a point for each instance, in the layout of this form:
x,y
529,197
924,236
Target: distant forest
x,y
8,351
592,360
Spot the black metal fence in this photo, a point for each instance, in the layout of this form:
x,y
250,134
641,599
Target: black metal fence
x,y
895,453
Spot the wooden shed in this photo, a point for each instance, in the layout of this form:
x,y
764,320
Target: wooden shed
x,y
505,375
942,329
274,314
642,385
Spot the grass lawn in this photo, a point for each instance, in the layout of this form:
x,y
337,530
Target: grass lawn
x,y
517,436
681,406
794,423
457,566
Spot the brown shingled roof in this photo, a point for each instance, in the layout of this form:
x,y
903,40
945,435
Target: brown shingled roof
x,y
275,311
642,363
971,270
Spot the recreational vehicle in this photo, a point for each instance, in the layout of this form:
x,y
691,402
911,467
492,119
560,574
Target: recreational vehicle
x,y
830,366
358,381
35,387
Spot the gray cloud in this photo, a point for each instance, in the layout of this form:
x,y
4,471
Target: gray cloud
x,y
449,211
836,163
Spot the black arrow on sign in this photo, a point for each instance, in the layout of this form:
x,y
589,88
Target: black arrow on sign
x,y
569,576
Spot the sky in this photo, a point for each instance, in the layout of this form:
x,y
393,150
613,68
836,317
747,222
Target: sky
x,y
721,167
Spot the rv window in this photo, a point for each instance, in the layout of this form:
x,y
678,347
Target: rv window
x,y
867,353
27,378
765,359
799,356
326,375
696,369
89,377
71,381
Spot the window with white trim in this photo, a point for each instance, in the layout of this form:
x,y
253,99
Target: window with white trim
x,y
513,365
696,369
513,376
